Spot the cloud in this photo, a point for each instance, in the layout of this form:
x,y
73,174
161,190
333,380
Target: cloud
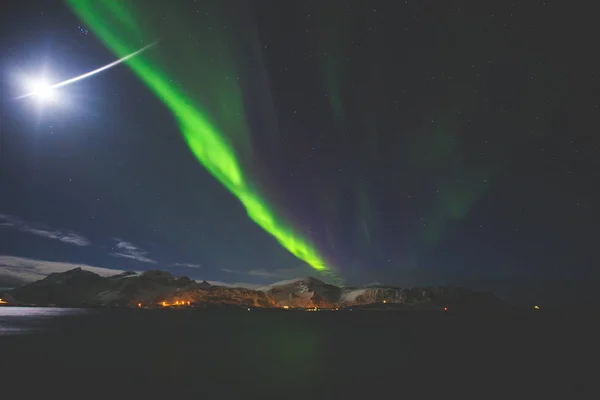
x,y
121,244
281,273
187,265
244,285
9,221
263,274
138,257
130,251
20,270
70,237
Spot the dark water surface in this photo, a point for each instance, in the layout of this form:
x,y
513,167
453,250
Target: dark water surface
x,y
289,355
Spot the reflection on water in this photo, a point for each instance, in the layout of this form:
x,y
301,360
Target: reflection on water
x,y
21,320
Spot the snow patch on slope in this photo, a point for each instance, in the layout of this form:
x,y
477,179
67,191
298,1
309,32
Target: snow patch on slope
x,y
351,295
300,283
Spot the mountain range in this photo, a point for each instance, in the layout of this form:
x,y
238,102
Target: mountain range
x,y
157,288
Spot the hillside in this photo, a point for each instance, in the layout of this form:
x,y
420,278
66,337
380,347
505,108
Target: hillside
x,y
156,288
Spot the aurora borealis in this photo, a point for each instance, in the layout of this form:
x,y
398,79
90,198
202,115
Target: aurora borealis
x,y
117,26
396,142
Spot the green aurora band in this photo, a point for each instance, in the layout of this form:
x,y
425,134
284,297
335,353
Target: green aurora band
x,y
119,25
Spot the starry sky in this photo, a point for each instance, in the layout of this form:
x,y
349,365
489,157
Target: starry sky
x,y
408,142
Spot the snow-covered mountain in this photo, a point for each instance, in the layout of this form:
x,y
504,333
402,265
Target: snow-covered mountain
x,y
78,287
303,292
312,292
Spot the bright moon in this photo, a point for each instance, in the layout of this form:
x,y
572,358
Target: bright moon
x,y
44,90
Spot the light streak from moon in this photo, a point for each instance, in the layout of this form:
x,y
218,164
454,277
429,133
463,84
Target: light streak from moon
x,y
88,74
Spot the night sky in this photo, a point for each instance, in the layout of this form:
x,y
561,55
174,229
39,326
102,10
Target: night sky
x,y
409,142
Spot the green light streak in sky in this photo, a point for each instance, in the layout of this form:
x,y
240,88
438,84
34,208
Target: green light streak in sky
x,y
121,28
